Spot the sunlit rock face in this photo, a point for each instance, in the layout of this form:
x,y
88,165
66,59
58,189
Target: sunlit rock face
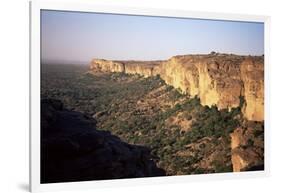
x,y
246,150
181,72
252,74
143,68
99,65
217,79
220,84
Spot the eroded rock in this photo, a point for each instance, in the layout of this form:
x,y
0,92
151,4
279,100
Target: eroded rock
x,y
247,149
217,79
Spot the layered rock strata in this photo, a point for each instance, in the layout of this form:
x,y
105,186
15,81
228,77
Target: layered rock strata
x,y
217,79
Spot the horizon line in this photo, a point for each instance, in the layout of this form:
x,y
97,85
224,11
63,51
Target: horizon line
x,y
54,61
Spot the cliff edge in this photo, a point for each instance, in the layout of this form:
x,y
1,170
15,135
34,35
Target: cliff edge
x,y
217,79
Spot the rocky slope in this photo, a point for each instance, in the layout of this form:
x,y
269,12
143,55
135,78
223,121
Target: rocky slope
x,y
184,137
73,150
247,149
217,79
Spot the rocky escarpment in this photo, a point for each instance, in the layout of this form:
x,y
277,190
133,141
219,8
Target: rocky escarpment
x,y
217,79
252,74
73,150
143,68
247,149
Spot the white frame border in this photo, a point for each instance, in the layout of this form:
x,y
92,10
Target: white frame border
x,y
34,146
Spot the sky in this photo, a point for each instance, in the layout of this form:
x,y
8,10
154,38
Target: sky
x,y
78,36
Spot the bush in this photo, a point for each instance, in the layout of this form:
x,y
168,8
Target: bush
x,y
177,107
221,167
91,94
250,143
189,117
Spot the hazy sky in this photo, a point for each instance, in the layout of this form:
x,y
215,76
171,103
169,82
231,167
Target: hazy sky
x,y
77,36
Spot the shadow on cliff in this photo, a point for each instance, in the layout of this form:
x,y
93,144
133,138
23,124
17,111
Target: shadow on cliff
x,y
73,150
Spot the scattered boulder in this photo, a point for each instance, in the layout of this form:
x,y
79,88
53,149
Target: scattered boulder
x,y
247,149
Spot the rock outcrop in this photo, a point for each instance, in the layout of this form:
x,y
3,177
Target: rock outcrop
x,y
217,79
247,149
107,66
252,74
73,150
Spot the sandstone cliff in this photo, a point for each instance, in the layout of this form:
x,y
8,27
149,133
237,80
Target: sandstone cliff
x,y
217,79
252,74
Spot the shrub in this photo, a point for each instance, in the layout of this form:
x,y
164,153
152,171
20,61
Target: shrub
x,y
189,117
250,142
177,107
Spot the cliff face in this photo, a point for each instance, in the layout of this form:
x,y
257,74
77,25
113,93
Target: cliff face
x,y
252,74
181,73
107,66
217,79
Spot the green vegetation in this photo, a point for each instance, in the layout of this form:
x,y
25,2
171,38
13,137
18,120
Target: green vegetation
x,y
139,110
